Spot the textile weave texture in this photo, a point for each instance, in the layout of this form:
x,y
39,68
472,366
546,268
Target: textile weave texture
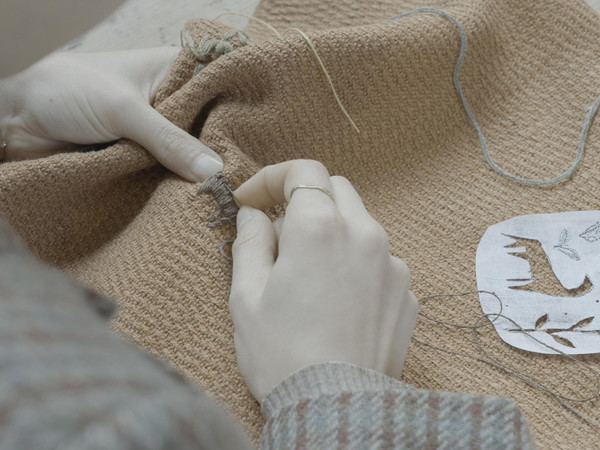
x,y
337,405
115,220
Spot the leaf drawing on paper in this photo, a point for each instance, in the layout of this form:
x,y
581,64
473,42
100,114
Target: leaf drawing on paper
x,y
592,234
541,321
564,237
563,248
569,252
552,332
582,323
563,341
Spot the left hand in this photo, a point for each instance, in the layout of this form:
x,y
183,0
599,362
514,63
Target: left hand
x,y
90,98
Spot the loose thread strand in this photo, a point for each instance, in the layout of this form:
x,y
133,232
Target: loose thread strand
x,y
494,362
486,153
312,47
314,50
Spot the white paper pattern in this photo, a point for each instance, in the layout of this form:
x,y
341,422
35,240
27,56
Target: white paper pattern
x,y
571,242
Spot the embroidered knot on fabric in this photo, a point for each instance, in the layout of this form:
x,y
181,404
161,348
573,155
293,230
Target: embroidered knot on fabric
x,y
218,187
208,48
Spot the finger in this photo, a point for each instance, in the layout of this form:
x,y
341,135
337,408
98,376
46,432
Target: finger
x,y
254,252
278,226
348,201
406,319
170,145
273,185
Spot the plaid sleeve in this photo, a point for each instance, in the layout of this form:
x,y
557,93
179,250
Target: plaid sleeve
x,y
338,405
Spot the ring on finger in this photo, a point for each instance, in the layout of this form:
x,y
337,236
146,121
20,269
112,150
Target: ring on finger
x,y
316,188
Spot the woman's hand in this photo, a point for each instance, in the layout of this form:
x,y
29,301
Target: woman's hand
x,y
90,98
318,285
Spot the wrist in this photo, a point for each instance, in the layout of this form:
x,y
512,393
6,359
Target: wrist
x,y
328,378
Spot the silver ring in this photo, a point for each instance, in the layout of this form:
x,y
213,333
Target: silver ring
x,y
316,188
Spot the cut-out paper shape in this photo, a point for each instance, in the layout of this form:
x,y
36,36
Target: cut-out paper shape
x,y
569,245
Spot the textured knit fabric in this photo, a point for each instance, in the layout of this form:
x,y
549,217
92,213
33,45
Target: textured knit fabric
x,y
337,405
114,220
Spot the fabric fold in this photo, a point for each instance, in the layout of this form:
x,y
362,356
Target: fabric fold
x,y
129,229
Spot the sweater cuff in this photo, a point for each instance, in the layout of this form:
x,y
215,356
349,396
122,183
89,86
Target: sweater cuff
x,y
323,379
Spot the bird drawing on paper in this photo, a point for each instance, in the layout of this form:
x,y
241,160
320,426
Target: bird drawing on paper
x,y
542,278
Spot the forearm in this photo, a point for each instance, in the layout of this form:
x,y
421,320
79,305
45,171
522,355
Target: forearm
x,y
337,404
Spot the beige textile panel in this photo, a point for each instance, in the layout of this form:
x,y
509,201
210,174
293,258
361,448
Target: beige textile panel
x,y
127,227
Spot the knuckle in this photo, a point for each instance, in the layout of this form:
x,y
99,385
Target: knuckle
x,y
244,305
375,237
401,270
410,308
311,164
413,303
168,137
339,180
305,166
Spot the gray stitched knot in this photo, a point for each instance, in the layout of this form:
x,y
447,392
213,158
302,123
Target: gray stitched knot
x,y
218,187
242,37
209,48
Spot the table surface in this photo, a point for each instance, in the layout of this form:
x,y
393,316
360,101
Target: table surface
x,y
146,23
149,23
26,37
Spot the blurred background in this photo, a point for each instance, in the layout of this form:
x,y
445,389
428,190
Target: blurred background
x,y
30,29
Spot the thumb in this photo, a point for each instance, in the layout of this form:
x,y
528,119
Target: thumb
x,y
170,145
254,252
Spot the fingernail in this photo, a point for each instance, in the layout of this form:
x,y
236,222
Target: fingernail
x,y
245,213
205,166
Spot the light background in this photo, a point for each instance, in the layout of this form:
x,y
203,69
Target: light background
x,y
30,29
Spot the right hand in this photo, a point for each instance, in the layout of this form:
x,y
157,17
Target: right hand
x,y
318,285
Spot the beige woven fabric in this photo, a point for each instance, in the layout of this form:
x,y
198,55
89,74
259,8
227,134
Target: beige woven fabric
x,y
114,220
